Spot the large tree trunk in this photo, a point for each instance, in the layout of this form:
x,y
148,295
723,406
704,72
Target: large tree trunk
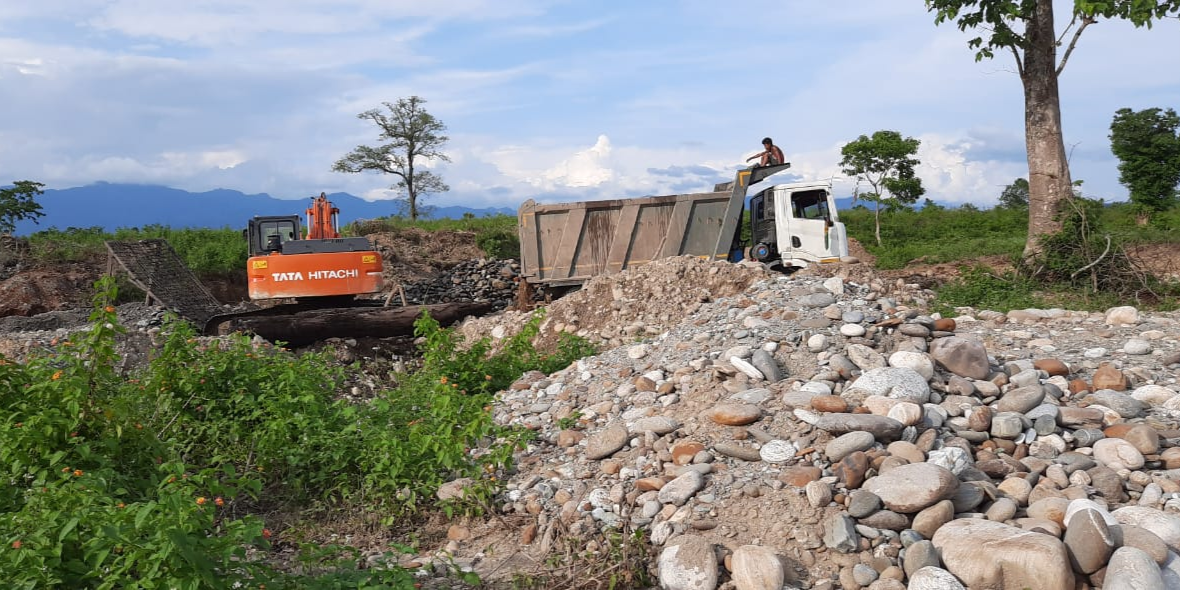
x,y
1049,184
306,326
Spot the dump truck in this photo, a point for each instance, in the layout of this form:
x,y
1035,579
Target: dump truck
x,y
791,225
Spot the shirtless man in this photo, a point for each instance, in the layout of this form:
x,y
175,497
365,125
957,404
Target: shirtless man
x,y
770,154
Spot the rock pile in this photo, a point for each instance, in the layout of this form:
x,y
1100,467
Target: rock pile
x,y
473,280
814,433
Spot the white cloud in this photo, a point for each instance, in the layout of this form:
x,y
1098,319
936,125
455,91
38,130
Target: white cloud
x,y
586,168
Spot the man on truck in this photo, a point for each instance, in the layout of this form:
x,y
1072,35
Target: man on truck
x,y
770,154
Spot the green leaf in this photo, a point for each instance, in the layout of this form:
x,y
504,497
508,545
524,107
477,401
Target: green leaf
x,y
144,512
73,522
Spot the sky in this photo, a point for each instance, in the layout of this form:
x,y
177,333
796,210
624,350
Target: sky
x,y
551,100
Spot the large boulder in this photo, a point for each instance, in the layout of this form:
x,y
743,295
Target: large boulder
x,y
910,488
961,356
988,555
688,563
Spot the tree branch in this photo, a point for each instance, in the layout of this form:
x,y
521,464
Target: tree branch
x,y
1086,21
1019,63
1096,260
1073,21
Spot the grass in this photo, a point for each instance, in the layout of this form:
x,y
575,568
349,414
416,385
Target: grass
x,y
935,235
215,252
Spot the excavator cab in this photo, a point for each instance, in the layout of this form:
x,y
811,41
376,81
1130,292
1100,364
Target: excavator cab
x,y
268,234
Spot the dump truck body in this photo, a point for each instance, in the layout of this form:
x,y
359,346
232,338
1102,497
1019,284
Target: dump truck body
x,y
568,243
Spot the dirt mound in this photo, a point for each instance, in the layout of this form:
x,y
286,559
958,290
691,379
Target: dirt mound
x,y
636,303
411,254
38,291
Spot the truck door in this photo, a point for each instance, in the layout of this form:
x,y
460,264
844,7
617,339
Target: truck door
x,y
810,224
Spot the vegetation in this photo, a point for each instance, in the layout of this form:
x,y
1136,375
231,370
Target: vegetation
x,y
934,234
205,251
164,477
1015,195
18,203
886,162
1147,144
496,235
1026,29
1086,266
412,135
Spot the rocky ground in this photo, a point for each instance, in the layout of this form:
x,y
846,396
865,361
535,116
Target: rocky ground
x,y
818,432
821,430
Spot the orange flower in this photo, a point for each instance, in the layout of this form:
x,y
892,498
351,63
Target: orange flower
x,y
218,501
487,377
443,380
201,501
16,544
65,469
77,473
56,376
266,533
120,505
109,309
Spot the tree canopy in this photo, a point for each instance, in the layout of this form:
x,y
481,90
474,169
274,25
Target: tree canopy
x,y
18,202
1015,195
1147,144
886,162
411,135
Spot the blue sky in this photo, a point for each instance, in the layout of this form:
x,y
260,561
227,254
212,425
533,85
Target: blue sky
x,y
543,99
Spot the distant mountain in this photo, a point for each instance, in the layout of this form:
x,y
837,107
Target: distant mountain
x,y
112,206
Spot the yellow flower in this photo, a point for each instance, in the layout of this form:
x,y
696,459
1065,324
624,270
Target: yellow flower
x,y
56,376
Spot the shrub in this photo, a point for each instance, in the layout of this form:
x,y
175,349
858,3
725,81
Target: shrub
x,y
501,244
156,478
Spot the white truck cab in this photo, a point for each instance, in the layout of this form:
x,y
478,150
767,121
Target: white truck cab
x,y
796,224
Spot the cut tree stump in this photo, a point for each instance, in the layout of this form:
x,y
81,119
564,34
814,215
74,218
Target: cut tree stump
x,y
305,327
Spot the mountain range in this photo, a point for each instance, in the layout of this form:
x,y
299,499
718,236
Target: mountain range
x,y
112,206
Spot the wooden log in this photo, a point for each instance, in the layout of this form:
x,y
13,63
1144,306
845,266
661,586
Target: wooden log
x,y
308,326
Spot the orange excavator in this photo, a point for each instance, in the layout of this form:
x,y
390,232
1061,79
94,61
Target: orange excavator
x,y
285,263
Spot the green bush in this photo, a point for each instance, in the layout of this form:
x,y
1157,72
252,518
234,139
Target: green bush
x,y
159,478
502,244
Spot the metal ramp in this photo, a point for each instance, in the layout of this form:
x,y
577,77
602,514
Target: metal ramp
x,y
157,269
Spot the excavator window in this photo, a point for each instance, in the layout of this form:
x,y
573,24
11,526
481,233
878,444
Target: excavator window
x,y
271,234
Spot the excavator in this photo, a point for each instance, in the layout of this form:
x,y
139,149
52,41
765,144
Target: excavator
x,y
321,271
284,263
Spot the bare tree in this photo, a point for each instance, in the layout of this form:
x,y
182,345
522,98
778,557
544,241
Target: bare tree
x,y
411,135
